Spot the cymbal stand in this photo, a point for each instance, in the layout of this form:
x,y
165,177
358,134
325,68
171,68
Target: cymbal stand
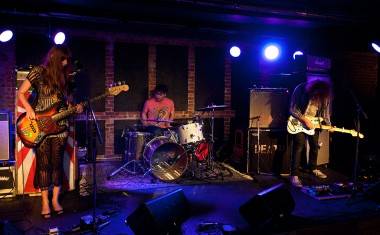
x,y
134,162
211,146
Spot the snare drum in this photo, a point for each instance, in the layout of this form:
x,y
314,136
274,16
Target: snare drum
x,y
190,133
134,144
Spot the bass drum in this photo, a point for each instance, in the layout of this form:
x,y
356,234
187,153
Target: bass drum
x,y
167,159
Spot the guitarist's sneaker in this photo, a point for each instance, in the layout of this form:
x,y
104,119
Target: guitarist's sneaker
x,y
319,174
296,182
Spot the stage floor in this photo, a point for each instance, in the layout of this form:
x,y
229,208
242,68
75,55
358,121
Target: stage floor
x,y
215,201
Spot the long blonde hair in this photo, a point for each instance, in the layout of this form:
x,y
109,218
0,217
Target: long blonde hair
x,y
55,75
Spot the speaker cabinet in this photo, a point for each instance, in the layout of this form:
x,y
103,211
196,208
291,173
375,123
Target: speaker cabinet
x,y
7,181
323,148
268,107
269,152
373,192
7,228
162,215
4,136
268,207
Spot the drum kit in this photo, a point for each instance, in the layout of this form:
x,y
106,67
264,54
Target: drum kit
x,y
177,151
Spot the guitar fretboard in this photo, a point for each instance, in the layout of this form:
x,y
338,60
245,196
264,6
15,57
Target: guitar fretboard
x,y
72,110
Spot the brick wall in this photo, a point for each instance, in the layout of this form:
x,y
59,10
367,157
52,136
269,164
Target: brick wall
x,y
362,71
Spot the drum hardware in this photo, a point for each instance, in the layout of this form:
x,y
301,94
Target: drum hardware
x,y
135,142
171,134
210,159
211,108
167,159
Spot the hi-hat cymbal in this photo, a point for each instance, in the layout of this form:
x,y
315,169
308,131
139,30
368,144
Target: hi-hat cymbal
x,y
211,107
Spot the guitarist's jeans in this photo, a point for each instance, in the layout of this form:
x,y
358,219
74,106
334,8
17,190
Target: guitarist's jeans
x,y
49,159
299,144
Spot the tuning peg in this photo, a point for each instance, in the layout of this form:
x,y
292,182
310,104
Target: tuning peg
x,y
119,83
123,82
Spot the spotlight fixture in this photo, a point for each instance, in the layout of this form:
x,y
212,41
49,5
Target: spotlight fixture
x,y
6,35
376,47
297,53
271,52
59,38
235,51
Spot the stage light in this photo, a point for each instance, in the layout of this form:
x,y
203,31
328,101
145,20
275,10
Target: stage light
x,y
271,52
376,47
59,38
6,35
297,53
235,51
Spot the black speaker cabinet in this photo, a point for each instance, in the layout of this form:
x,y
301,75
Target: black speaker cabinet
x,y
7,181
373,192
269,152
268,207
160,215
323,148
7,228
268,107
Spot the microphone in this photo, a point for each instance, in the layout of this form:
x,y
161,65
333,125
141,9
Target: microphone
x,y
77,68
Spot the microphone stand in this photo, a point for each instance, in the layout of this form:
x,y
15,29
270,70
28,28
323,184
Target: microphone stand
x,y
359,112
96,135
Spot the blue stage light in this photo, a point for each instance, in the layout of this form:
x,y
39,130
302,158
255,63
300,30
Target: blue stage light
x,y
235,51
297,53
59,38
271,52
376,47
6,35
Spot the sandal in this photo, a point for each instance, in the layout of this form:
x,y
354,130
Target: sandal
x,y
59,212
46,216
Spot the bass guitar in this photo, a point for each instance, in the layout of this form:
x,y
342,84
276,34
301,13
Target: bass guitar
x,y
32,132
295,126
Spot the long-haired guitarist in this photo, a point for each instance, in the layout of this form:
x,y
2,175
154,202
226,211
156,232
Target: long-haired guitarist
x,y
310,100
51,81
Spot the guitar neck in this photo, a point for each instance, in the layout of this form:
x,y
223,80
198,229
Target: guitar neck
x,y
343,130
72,110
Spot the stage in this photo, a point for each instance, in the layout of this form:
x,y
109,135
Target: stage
x,y
215,201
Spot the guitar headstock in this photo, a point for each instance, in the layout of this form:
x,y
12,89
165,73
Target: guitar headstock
x,y
116,88
355,134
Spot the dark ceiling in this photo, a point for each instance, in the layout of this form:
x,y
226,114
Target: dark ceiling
x,y
218,16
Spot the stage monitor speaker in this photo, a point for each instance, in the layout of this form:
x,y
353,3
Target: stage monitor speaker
x,y
268,207
373,192
4,136
161,215
269,152
268,107
7,228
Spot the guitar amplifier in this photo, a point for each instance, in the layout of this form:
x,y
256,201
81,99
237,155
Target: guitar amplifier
x,y
7,181
268,107
269,151
323,148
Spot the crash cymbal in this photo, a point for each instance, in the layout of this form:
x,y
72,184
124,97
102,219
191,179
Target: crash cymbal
x,y
211,107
